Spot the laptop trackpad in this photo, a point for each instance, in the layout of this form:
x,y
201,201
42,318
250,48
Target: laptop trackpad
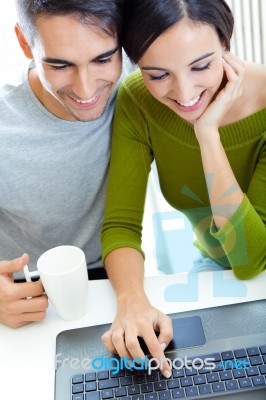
x,y
187,332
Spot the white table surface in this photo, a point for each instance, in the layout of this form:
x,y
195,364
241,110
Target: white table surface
x,y
27,354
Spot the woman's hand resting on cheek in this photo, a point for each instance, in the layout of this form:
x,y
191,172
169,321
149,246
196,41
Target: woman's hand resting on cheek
x,y
213,116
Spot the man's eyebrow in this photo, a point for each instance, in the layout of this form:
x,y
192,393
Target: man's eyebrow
x,y
149,68
106,55
51,60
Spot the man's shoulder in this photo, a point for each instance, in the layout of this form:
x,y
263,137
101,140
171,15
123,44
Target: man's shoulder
x,y
11,85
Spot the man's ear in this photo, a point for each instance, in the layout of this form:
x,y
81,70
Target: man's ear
x,y
23,42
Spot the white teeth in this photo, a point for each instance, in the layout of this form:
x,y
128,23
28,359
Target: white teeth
x,y
85,101
190,103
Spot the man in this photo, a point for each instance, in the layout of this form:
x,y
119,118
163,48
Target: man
x,y
54,141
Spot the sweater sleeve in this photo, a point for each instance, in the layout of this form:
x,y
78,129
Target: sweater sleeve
x,y
243,238
131,157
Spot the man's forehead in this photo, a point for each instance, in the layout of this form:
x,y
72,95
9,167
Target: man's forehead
x,y
44,23
64,37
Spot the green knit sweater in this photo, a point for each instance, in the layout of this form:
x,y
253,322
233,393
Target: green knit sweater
x,y
144,130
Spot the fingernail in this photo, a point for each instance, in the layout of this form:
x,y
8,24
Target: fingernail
x,y
166,373
163,346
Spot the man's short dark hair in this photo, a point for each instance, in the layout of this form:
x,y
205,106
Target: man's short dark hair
x,y
103,14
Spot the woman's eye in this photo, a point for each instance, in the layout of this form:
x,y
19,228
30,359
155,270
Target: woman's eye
x,y
202,68
159,77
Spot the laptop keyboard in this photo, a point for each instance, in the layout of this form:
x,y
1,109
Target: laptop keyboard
x,y
235,370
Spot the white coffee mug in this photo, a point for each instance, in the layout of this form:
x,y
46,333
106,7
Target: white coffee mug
x,y
63,272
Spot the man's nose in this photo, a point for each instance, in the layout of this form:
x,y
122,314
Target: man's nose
x,y
85,84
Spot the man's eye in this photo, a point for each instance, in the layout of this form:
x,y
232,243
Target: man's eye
x,y
58,67
104,60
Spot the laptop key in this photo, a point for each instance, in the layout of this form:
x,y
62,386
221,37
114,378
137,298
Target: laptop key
x,y
256,360
178,373
119,374
253,351
93,396
107,394
138,397
120,392
226,375
262,369
218,387
126,381
134,389
213,377
78,379
231,385
240,353
90,376
239,373
191,371
258,380
191,391
108,384
90,386
205,389
178,393
103,375
173,383
153,377
251,371
244,382
146,387
186,381
263,349
165,395
78,396
227,355
199,380
139,379
77,388
161,385
151,396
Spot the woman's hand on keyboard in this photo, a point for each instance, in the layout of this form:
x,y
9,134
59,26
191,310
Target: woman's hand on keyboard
x,y
20,303
137,318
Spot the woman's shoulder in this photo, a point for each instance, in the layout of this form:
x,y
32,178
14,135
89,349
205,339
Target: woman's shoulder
x,y
133,81
134,87
255,85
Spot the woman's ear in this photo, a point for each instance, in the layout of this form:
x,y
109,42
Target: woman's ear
x,y
23,42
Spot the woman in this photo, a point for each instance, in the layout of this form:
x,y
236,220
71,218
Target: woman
x,y
200,113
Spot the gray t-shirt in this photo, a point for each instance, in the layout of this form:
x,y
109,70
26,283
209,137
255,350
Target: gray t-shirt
x,y
53,177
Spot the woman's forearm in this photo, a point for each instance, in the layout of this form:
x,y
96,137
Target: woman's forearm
x,y
224,192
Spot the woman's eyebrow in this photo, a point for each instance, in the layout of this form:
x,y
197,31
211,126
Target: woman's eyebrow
x,y
149,68
201,58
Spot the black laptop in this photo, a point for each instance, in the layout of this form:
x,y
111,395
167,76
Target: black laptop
x,y
216,352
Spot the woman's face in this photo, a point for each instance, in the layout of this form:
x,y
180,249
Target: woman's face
x,y
183,68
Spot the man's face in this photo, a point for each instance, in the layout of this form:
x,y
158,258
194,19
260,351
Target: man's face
x,y
77,67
